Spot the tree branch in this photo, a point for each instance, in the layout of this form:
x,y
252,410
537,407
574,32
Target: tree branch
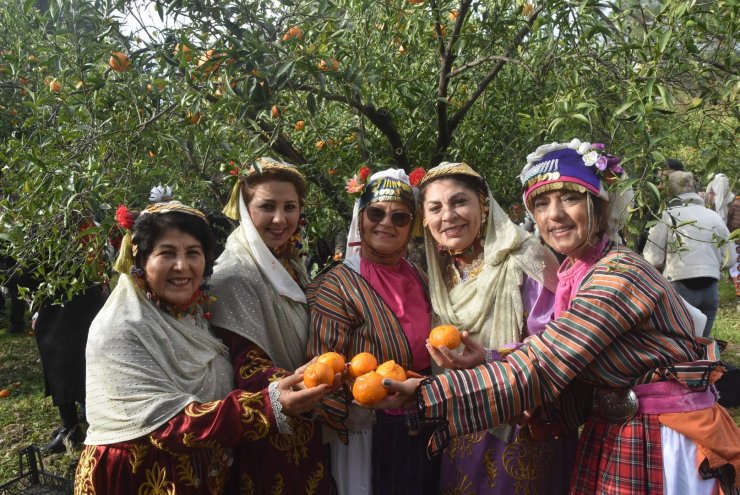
x,y
483,60
447,58
460,114
378,116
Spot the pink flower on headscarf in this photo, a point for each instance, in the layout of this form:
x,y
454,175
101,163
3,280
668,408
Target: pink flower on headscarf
x,y
354,186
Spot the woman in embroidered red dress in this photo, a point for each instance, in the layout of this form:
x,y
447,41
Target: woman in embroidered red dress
x,y
162,408
621,335
260,313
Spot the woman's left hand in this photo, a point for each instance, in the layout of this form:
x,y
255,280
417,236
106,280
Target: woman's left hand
x,y
472,355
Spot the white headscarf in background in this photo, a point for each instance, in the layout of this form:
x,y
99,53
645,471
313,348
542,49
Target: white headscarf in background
x,y
723,197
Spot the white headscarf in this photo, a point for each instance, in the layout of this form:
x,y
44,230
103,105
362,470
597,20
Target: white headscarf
x,y
723,197
143,366
257,298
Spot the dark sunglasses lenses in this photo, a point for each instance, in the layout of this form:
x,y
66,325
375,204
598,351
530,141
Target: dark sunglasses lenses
x,y
398,218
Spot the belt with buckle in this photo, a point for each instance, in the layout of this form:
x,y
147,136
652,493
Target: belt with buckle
x,y
615,405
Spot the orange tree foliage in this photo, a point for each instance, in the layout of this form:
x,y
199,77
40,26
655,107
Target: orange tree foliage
x,y
388,83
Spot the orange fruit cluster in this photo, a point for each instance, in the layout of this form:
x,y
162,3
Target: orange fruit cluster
x,y
445,335
368,387
293,32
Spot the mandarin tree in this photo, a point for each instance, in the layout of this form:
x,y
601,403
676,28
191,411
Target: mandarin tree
x,y
393,82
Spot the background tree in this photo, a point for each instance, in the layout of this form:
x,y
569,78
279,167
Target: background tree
x,y
332,85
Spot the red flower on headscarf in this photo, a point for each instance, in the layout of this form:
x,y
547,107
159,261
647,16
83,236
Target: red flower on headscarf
x,y
124,217
416,175
364,173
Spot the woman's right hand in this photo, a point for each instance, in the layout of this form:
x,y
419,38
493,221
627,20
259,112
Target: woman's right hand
x,y
473,354
296,399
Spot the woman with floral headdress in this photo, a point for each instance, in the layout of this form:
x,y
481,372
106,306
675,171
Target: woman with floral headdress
x,y
161,404
375,301
620,331
260,312
486,278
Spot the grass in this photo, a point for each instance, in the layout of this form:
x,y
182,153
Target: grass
x,y
27,417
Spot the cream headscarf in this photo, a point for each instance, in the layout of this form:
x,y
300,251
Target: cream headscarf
x,y
144,366
257,298
490,306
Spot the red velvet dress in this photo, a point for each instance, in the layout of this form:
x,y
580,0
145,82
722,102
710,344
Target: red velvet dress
x,y
190,454
275,463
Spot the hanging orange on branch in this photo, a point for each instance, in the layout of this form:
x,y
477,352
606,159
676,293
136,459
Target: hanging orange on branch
x,y
119,62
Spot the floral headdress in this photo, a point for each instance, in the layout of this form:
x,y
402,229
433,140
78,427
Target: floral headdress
x,y
580,165
583,167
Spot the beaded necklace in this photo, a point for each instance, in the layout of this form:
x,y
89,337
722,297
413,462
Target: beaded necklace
x,y
458,270
198,303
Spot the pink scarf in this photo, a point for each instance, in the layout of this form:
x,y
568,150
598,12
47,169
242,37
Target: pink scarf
x,y
570,276
400,288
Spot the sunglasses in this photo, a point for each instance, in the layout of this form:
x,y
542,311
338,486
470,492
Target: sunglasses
x,y
398,218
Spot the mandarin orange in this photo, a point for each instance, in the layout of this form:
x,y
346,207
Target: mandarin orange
x,y
390,369
445,335
318,373
362,363
368,388
333,359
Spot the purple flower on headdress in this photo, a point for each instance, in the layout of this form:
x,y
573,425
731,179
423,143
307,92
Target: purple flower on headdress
x,y
598,146
601,163
612,163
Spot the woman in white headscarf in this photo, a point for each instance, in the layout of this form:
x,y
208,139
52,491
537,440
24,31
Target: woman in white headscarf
x,y
162,407
376,301
260,312
719,195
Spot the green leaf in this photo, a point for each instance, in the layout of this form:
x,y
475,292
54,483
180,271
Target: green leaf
x,y
624,107
664,38
654,190
311,103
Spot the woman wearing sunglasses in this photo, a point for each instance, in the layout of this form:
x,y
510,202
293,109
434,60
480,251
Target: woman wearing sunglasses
x,y
487,277
376,301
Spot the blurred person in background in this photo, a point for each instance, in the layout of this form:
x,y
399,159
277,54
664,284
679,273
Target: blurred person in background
x,y
690,247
